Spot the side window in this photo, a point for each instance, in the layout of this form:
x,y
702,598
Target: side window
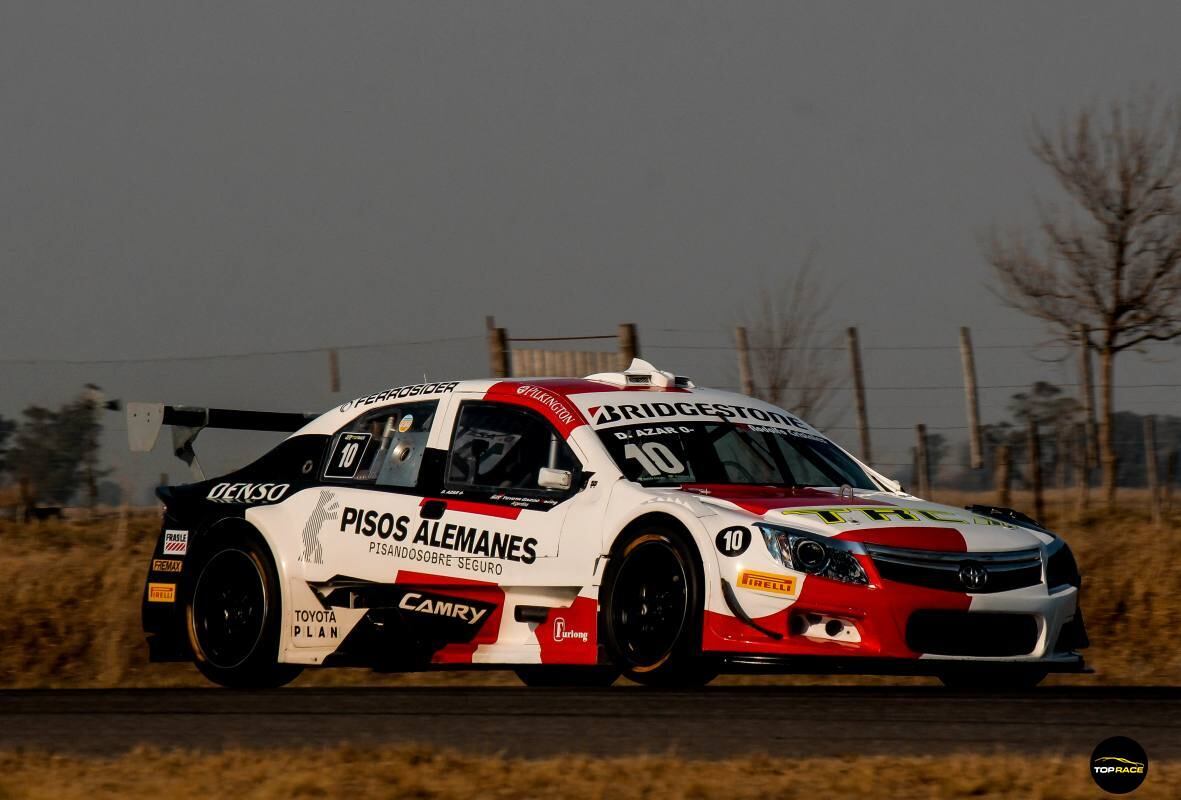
x,y
498,447
384,448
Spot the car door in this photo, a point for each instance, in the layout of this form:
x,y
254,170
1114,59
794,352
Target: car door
x,y
508,525
379,468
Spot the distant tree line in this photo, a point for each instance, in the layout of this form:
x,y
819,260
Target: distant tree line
x,y
1059,418
52,455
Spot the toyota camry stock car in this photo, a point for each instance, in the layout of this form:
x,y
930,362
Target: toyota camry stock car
x,y
576,529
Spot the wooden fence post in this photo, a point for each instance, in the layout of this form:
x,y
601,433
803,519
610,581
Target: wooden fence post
x,y
498,353
1034,446
1082,474
1004,474
859,395
333,371
629,344
1150,465
1170,478
1088,392
922,463
972,399
745,377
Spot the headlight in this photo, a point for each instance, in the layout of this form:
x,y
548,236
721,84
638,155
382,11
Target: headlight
x,y
1061,569
815,555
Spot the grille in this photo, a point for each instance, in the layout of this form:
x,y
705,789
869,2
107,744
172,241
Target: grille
x,y
962,633
936,570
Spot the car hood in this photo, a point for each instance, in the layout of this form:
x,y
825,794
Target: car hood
x,y
872,517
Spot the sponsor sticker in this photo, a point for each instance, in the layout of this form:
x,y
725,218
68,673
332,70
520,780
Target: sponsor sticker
x,y
166,565
733,541
768,582
311,624
1119,765
347,455
161,592
248,492
562,633
176,543
852,516
405,423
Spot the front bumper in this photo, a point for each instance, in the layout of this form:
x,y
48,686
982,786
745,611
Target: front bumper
x,y
900,622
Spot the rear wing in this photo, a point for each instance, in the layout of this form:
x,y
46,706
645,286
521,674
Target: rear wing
x,y
144,421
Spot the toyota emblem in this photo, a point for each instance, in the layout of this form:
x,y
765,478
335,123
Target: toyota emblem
x,y
973,576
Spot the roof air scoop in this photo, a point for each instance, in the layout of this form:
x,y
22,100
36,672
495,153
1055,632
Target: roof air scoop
x,y
641,373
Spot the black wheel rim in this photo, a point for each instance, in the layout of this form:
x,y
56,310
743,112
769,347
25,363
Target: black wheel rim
x,y
229,608
650,604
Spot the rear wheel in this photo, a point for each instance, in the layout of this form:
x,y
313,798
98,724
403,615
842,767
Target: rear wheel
x,y
652,600
568,676
992,679
233,618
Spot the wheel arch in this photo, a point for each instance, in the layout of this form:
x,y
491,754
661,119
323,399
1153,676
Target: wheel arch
x,y
690,528
230,529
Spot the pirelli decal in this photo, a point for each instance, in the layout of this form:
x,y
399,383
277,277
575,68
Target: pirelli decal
x,y
768,582
161,592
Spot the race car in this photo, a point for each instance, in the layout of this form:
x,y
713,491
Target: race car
x,y
574,530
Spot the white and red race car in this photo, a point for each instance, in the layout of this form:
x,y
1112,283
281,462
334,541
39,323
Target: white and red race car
x,y
576,529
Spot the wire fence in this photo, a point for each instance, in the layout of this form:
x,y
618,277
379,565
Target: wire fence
x,y
906,383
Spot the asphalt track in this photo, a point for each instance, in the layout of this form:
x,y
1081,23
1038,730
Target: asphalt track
x,y
710,723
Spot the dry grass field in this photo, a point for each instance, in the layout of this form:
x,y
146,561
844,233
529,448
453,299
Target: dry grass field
x,y
71,593
419,772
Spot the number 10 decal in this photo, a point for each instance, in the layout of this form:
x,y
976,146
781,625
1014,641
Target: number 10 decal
x,y
656,459
347,455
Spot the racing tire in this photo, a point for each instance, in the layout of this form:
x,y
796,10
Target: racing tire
x,y
652,599
986,679
567,676
233,617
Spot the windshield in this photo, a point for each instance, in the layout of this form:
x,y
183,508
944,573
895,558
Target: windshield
x,y
725,453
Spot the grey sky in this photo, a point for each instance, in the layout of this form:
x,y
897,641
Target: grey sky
x,y
185,179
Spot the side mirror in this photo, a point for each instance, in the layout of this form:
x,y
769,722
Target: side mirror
x,y
554,478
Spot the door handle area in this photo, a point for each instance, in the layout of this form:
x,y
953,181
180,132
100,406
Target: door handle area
x,y
433,509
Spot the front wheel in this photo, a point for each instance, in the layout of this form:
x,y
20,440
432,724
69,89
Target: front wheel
x,y
652,600
233,618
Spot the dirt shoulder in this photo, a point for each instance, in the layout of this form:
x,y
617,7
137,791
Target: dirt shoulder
x,y
428,773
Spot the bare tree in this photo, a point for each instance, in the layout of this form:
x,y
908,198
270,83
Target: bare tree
x,y
1112,262
788,344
